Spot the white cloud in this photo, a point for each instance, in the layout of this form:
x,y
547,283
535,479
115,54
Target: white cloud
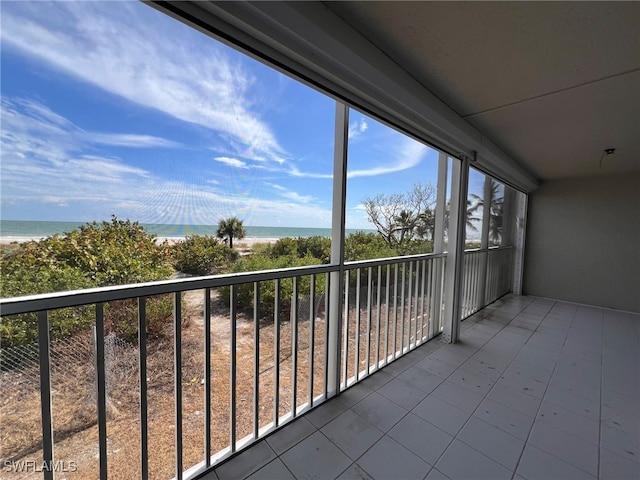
x,y
44,162
295,172
121,49
232,162
131,140
290,194
407,155
357,128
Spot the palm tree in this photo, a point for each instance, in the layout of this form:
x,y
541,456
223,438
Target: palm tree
x,y
231,228
405,223
496,206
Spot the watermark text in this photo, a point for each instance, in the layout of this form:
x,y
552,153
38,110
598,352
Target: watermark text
x,y
30,466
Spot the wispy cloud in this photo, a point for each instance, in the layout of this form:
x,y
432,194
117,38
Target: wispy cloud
x,y
232,162
131,140
290,194
407,155
295,172
120,50
45,161
357,128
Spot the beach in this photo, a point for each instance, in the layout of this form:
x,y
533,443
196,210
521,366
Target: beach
x,y
246,243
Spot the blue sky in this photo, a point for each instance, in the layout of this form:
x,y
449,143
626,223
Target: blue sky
x,y
115,108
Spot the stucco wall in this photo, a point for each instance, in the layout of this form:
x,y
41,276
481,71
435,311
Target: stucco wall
x,y
583,241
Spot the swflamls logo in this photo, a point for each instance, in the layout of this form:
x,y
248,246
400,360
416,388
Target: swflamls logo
x,y
30,466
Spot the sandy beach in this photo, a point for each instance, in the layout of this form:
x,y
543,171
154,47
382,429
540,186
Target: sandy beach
x,y
243,244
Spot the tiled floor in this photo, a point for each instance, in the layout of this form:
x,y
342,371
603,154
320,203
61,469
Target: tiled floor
x,y
536,389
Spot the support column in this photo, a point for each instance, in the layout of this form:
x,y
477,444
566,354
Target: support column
x,y
484,243
336,280
455,256
435,312
520,234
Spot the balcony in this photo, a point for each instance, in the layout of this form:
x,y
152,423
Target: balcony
x,y
536,388
346,383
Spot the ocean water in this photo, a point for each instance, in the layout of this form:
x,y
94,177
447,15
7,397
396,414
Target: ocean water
x,y
39,229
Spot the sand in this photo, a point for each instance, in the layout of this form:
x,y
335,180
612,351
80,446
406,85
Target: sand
x,y
244,244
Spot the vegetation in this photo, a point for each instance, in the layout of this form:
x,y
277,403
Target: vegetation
x,y
302,247
97,254
231,228
121,252
245,292
202,255
402,217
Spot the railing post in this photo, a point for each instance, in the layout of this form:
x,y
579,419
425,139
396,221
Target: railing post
x,y
455,256
44,357
435,301
333,322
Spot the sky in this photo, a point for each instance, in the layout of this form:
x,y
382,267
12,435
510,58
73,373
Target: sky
x,y
113,108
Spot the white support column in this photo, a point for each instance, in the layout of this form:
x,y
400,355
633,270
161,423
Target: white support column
x,y
435,311
441,204
509,210
334,323
520,234
484,242
455,256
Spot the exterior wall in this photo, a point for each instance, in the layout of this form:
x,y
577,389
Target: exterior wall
x,y
583,241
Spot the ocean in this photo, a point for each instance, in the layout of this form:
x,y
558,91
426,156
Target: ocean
x,y
40,229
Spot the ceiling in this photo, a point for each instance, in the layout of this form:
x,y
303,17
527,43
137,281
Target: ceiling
x,y
552,83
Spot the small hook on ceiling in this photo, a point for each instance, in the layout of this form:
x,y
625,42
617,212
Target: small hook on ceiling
x,y
607,152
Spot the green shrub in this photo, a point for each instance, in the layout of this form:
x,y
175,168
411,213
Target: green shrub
x,y
245,292
202,255
415,247
96,254
317,247
366,246
121,317
112,253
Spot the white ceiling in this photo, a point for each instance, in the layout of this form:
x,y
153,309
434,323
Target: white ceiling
x,y
552,83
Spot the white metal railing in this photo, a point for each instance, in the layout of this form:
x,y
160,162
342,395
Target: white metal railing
x,y
389,307
486,277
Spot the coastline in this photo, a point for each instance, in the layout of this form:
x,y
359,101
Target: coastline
x,y
246,243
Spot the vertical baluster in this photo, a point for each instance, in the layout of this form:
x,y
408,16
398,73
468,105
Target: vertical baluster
x,y
369,313
422,297
142,376
416,301
346,330
294,347
420,302
429,299
395,310
327,296
410,303
102,390
357,328
312,336
402,307
207,376
276,354
378,315
44,358
256,359
387,313
233,370
177,346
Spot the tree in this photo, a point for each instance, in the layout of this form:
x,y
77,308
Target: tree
x,y
231,228
495,211
401,217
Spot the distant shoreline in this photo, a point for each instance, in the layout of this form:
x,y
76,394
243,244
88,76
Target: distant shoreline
x,y
247,242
